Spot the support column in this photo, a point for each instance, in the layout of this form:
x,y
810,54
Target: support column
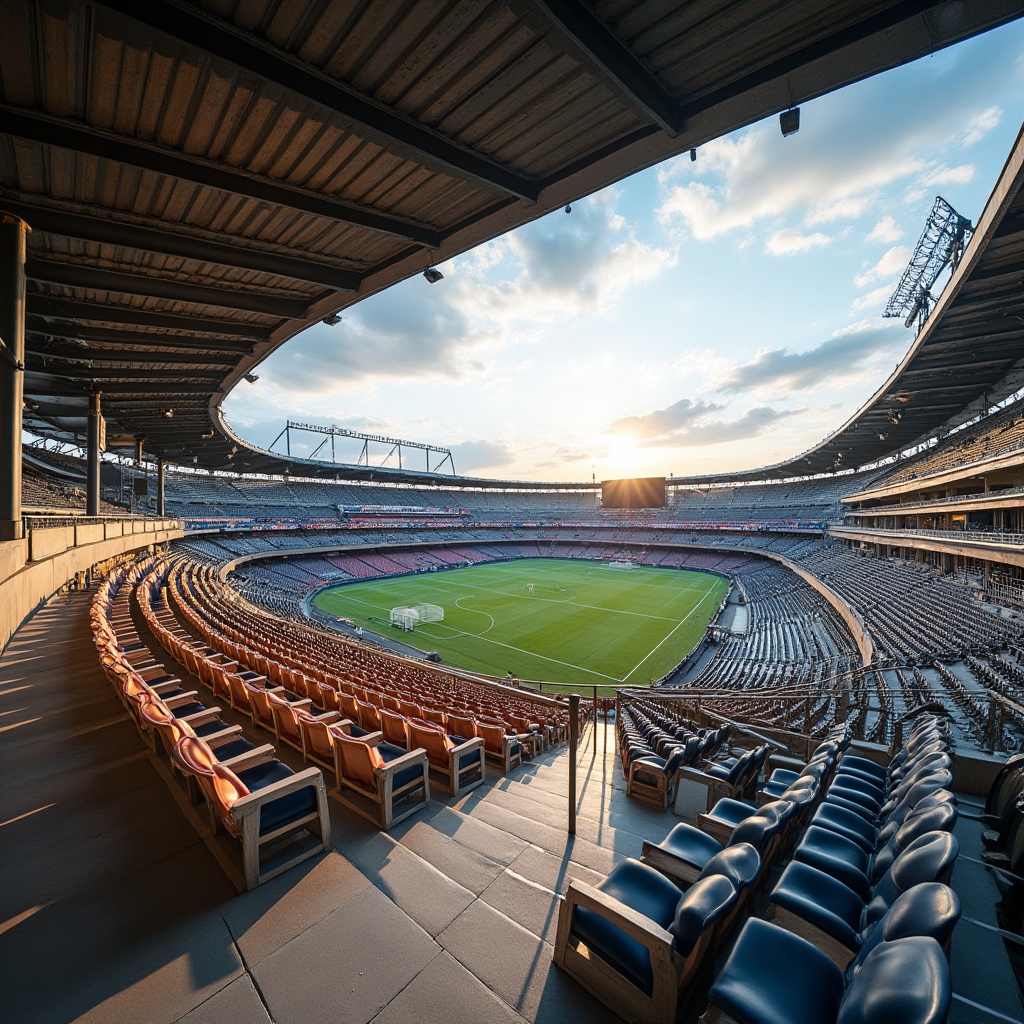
x,y
92,478
12,370
160,488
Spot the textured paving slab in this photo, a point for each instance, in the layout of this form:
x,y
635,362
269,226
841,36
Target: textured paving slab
x,y
445,990
347,967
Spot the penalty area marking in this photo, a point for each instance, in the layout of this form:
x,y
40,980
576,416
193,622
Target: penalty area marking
x,y
653,650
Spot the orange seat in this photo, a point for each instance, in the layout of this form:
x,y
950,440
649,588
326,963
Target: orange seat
x,y
462,764
282,805
382,777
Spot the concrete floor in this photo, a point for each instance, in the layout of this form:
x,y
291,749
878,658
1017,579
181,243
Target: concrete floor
x,y
114,909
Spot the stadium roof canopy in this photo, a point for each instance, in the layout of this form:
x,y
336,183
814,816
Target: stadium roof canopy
x,y
969,356
204,180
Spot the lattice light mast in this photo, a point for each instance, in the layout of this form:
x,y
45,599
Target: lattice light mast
x,y
394,445
941,244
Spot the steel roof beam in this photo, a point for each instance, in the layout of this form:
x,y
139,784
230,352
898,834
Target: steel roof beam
x,y
77,275
104,230
72,309
96,355
81,138
386,126
128,344
615,61
75,368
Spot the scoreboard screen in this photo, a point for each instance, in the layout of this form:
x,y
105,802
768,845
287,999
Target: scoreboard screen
x,y
640,492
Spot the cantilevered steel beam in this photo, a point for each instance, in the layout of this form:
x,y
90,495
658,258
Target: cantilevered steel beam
x,y
81,138
54,366
385,125
92,228
827,46
105,355
77,275
37,327
146,393
102,312
615,61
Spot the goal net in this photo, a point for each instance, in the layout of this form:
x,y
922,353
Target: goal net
x,y
404,618
429,612
622,565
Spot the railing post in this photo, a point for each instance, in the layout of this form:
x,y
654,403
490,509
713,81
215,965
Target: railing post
x,y
574,738
595,720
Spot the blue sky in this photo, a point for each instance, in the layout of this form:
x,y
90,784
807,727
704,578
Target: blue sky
x,y
696,318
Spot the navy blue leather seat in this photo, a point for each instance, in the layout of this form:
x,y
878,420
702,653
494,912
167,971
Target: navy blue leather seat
x,y
834,908
773,977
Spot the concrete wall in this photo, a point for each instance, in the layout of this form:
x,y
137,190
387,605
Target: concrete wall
x,y
37,566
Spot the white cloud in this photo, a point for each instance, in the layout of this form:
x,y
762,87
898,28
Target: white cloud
x,y
943,175
885,231
847,352
472,456
889,267
690,423
583,262
980,125
875,298
836,167
789,241
839,209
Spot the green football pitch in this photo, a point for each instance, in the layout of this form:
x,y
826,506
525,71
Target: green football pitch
x,y
555,620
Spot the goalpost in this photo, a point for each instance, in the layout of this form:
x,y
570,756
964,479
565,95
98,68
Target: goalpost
x,y
405,618
622,565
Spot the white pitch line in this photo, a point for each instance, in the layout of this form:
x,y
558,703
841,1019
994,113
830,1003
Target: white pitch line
x,y
653,650
571,604
533,654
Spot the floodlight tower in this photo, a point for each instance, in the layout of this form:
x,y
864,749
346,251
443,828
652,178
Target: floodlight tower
x,y
942,243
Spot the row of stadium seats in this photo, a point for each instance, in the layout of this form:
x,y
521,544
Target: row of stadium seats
x,y
862,916
279,817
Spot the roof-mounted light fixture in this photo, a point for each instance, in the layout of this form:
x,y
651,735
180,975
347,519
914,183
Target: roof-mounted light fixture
x,y
789,121
433,275
333,320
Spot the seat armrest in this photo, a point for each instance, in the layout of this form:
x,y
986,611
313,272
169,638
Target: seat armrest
x,y
476,741
633,923
300,780
251,758
419,755
181,698
257,755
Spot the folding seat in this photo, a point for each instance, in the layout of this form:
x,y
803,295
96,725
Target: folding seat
x,y
773,977
637,942
394,729
368,716
326,696
738,780
272,811
461,728
262,709
383,775
833,916
506,751
685,851
721,821
463,765
286,723
435,715
318,739
859,868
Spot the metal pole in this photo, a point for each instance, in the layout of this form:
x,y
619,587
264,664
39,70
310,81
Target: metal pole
x,y
12,370
595,720
574,738
160,470
92,478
